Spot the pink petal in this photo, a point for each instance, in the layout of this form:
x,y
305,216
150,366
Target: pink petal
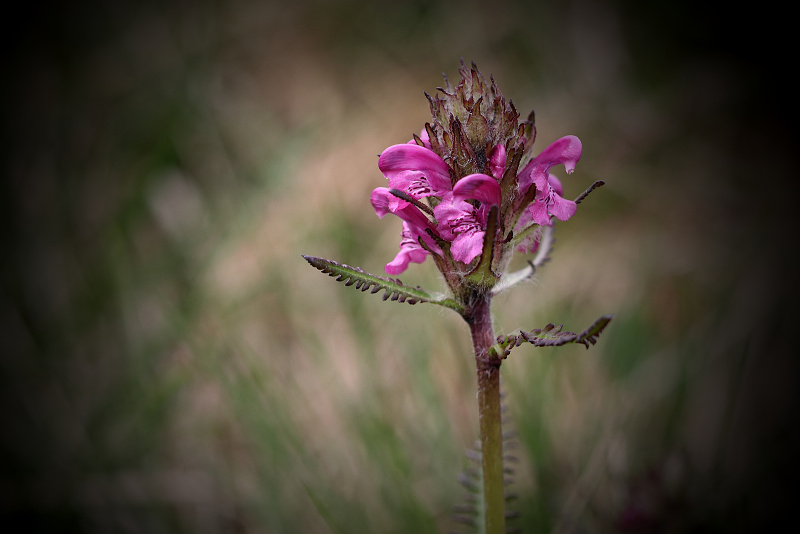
x,y
478,186
467,246
497,161
404,163
537,212
566,151
555,183
384,202
403,258
445,213
459,216
410,249
562,208
463,225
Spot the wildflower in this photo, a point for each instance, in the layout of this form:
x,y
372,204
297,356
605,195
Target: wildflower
x,y
566,151
444,183
462,199
410,250
416,170
414,224
462,224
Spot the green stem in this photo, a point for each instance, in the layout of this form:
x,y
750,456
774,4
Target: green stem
x,y
488,370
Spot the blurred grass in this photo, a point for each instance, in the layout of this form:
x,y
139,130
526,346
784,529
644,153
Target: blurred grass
x,y
171,364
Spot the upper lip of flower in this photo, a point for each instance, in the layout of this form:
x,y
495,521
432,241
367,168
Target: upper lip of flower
x,y
416,170
480,187
565,151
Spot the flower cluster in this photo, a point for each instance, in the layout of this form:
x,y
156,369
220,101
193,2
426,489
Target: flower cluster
x,y
459,190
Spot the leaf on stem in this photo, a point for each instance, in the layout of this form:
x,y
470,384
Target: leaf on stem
x,y
393,289
582,196
550,336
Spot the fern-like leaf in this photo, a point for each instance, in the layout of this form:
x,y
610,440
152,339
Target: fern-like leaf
x,y
550,336
393,288
582,196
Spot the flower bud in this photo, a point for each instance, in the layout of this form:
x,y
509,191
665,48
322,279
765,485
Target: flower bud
x,y
470,120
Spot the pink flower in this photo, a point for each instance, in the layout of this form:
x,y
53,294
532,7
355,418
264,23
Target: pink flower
x,y
410,250
383,201
414,224
478,187
539,212
418,172
415,170
463,225
566,151
549,202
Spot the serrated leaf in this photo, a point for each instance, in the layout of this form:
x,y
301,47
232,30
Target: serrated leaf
x,y
393,288
550,336
582,196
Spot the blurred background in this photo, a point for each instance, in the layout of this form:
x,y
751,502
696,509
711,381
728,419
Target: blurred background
x,y
171,364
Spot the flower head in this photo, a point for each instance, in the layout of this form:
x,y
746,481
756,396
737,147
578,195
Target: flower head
x,y
459,189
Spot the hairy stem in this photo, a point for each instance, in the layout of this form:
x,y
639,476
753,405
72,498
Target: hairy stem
x,y
488,369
